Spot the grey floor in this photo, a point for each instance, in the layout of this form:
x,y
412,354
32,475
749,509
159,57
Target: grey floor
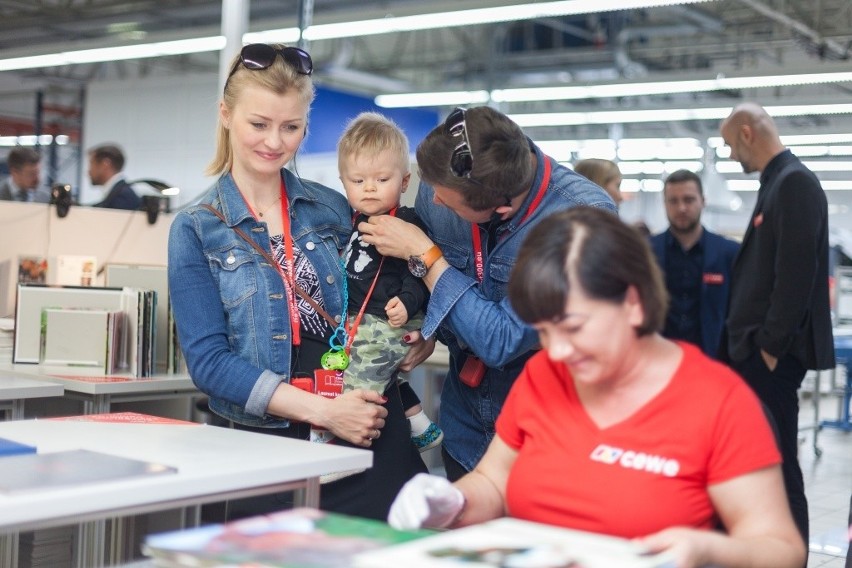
x,y
828,480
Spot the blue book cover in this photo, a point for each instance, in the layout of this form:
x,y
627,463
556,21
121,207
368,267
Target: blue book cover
x,y
12,448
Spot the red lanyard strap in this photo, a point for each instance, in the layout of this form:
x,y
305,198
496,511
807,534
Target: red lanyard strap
x,y
478,260
289,276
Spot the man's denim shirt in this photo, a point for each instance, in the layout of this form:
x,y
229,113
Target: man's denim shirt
x,y
477,318
229,303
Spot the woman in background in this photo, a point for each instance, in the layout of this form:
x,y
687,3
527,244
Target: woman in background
x,y
604,173
256,284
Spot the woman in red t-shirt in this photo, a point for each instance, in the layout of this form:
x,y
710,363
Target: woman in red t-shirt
x,y
613,429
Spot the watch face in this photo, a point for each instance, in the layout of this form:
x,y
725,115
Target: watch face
x,y
417,267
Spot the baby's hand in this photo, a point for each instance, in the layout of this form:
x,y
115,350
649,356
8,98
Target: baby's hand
x,y
397,314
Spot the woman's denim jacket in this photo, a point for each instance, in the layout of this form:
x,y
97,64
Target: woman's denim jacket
x,y
229,303
476,318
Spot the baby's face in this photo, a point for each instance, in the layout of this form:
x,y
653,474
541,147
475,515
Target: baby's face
x,y
374,183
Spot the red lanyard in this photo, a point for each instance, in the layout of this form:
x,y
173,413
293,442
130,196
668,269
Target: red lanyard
x,y
478,260
288,276
353,327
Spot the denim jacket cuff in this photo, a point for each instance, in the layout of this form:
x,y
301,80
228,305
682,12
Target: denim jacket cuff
x,y
449,288
261,394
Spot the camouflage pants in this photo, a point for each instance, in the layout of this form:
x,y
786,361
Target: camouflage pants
x,y
377,351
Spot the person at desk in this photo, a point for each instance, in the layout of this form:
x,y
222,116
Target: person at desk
x,y
23,183
106,163
603,430
696,264
484,184
254,274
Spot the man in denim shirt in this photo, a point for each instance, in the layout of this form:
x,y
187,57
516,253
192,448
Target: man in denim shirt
x,y
484,184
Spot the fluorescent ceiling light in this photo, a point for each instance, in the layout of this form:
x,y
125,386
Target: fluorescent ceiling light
x,y
618,116
840,74
338,30
139,51
789,140
644,185
445,98
666,115
625,149
729,167
836,185
283,35
720,83
828,166
480,16
30,140
743,184
658,167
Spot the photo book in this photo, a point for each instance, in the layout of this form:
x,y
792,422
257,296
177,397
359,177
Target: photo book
x,y
512,543
37,472
75,270
296,538
82,337
32,269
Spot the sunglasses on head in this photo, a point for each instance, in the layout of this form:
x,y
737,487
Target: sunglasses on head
x,y
257,56
461,160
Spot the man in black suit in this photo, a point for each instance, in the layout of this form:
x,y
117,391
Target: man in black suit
x,y
779,323
105,165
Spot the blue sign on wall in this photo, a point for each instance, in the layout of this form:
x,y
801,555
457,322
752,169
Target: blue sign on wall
x,y
332,109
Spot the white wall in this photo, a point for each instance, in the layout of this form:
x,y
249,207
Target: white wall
x,y
110,235
166,127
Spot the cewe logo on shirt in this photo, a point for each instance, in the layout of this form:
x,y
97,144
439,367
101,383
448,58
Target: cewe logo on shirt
x,y
639,461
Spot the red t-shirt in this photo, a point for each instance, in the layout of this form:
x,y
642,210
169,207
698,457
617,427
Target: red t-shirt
x,y
646,473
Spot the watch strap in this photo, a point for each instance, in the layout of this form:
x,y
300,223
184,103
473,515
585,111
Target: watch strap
x,y
431,256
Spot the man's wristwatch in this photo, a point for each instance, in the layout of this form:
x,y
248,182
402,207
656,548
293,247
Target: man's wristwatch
x,y
420,265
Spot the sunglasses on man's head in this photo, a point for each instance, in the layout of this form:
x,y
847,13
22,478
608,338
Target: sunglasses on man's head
x,y
257,56
461,160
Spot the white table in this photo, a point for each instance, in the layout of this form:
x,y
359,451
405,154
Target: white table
x,y
15,389
214,464
97,392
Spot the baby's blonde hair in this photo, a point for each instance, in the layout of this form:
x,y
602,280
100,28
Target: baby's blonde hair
x,y
370,134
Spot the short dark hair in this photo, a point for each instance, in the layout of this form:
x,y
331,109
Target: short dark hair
x,y
681,176
604,255
19,157
110,153
502,168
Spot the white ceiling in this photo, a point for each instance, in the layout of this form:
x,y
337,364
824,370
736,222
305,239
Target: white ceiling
x,y
717,36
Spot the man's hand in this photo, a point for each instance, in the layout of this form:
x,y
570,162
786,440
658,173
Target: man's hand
x,y
770,361
394,237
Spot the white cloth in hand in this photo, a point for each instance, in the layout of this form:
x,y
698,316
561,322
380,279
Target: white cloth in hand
x,y
426,501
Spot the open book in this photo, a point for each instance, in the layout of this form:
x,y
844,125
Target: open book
x,y
297,538
511,543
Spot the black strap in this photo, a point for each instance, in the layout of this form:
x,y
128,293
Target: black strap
x,y
301,293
